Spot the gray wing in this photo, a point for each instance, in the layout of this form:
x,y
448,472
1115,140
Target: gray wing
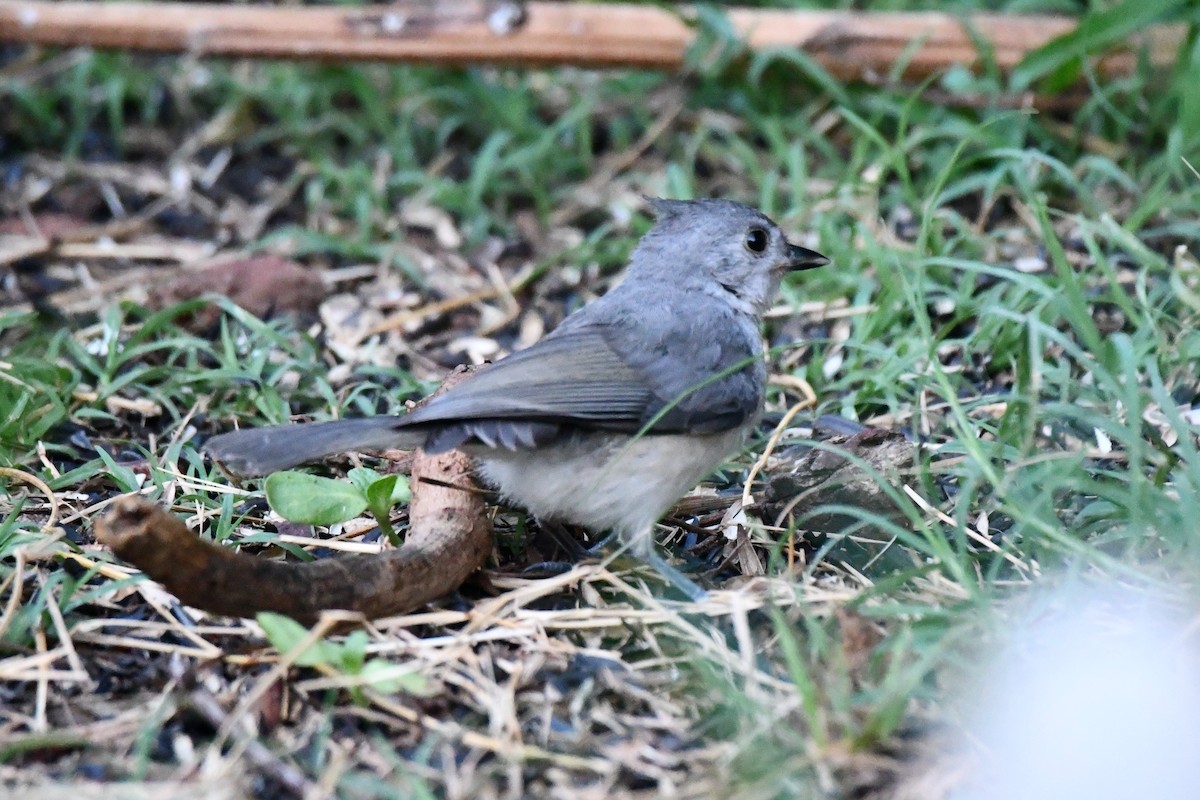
x,y
701,360
570,380
663,375
576,377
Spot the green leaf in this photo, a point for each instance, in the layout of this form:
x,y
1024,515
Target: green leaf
x,y
301,497
386,492
390,678
401,491
125,478
354,651
379,495
1189,96
363,477
286,635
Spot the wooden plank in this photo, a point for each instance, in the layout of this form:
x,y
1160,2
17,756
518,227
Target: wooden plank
x,y
850,45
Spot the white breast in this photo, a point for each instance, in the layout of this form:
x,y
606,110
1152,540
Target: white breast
x,y
605,482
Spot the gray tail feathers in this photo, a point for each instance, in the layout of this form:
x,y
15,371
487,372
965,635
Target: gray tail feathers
x,y
259,451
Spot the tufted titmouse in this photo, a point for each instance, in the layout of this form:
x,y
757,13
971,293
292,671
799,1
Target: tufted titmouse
x,y
625,406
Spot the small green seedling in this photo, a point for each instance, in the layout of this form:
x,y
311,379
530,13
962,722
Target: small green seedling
x,y
314,500
348,657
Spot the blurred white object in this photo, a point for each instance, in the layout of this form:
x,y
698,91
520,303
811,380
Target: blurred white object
x,y
1098,698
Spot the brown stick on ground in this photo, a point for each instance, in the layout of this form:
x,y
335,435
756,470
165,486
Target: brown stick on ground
x,y
850,45
449,537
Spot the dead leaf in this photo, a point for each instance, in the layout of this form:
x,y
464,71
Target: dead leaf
x,y
265,285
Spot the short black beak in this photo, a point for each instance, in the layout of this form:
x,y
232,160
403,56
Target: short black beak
x,y
803,258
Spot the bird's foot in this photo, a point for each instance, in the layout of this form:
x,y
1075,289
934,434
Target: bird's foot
x,y
673,576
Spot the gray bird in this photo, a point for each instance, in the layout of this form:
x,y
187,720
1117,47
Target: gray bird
x,y
625,406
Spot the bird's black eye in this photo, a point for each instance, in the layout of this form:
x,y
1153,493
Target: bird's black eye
x,y
756,241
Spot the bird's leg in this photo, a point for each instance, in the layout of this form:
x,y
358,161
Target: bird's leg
x,y
694,591
597,550
559,535
642,548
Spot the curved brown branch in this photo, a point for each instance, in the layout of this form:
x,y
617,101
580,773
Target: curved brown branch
x,y
449,537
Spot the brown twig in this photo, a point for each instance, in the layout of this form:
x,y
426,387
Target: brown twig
x,y
449,537
851,46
